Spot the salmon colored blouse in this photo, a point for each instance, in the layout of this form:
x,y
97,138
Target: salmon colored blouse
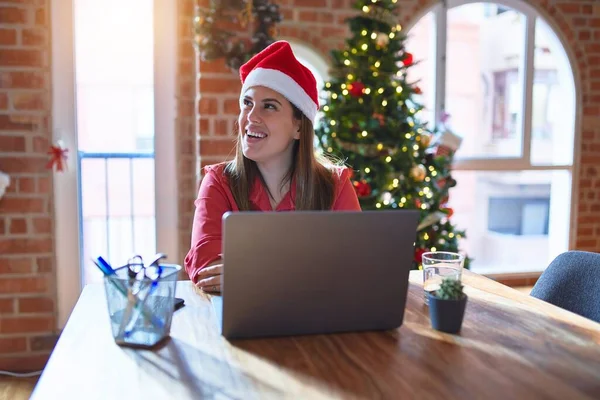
x,y
215,199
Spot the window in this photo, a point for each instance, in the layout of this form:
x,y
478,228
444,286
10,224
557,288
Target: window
x,y
508,87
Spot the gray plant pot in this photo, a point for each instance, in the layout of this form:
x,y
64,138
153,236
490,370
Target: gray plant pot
x,y
446,315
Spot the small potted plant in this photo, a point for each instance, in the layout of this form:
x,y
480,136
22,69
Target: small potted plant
x,y
447,306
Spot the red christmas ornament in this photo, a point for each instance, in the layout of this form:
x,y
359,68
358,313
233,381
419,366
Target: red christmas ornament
x,y
362,188
356,89
380,118
419,254
408,59
58,158
449,211
417,90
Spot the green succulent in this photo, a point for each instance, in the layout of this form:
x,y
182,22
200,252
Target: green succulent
x,y
450,289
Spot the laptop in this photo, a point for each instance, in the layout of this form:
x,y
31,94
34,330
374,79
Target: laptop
x,y
314,272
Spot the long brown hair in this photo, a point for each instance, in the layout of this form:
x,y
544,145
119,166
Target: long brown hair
x,y
314,173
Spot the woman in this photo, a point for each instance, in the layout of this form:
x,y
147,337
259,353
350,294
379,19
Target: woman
x,y
275,167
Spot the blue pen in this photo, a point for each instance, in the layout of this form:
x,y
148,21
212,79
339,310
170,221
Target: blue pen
x,y
108,270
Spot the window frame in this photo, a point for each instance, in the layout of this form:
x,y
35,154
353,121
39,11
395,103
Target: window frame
x,y
508,164
66,185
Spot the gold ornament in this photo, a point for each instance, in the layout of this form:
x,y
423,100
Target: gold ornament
x,y
382,40
426,140
418,172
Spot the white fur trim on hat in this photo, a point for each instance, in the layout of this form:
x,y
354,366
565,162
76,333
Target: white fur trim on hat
x,y
282,83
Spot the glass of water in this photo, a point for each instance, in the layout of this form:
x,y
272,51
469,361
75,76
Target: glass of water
x,y
438,265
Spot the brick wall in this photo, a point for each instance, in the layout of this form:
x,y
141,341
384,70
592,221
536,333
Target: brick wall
x,y
27,277
320,25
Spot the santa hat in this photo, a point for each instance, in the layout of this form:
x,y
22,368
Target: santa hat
x,y
277,68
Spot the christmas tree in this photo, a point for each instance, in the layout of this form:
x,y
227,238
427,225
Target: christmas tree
x,y
370,120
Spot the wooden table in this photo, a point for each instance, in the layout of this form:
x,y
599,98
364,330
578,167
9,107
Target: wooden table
x,y
511,346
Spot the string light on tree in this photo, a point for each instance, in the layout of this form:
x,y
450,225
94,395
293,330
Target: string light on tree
x,y
398,162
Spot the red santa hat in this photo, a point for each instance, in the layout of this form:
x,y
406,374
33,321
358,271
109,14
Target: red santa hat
x,y
277,68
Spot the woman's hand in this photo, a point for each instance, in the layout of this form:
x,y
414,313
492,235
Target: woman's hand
x,y
209,278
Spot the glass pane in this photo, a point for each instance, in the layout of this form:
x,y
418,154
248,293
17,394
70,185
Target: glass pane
x,y
421,44
114,63
115,76
94,215
514,221
484,90
553,114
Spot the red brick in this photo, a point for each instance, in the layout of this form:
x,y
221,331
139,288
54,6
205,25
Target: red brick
x,y
333,31
22,205
25,245
2,226
26,185
594,22
24,363
221,127
11,143
20,265
8,37
18,226
587,9
310,3
326,17
34,37
13,345
585,35
43,185
3,101
27,324
35,305
219,85
7,306
20,58
231,106
29,101
13,15
41,144
23,165
207,106
45,264
40,16
37,284
13,123
569,8
204,126
213,147
287,14
22,80
308,16
594,73
40,343
586,243
42,225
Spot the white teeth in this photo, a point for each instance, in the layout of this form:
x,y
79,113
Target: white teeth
x,y
256,134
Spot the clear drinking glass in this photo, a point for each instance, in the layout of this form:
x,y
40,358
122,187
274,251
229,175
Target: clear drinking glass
x,y
438,265
141,310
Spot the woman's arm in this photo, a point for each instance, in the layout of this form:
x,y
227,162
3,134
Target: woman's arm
x,y
211,204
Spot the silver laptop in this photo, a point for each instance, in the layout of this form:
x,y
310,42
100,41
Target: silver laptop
x,y
314,272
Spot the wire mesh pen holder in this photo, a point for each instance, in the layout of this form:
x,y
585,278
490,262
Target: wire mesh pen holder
x,y
141,308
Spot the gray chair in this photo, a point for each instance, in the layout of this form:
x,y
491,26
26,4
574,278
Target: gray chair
x,y
572,282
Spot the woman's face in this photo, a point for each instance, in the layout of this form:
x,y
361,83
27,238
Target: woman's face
x,y
267,127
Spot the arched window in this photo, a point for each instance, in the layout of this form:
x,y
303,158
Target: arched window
x,y
504,77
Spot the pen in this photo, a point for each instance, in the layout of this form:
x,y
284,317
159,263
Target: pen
x,y
107,270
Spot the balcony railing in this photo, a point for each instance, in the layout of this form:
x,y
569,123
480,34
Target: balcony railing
x,y
117,208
